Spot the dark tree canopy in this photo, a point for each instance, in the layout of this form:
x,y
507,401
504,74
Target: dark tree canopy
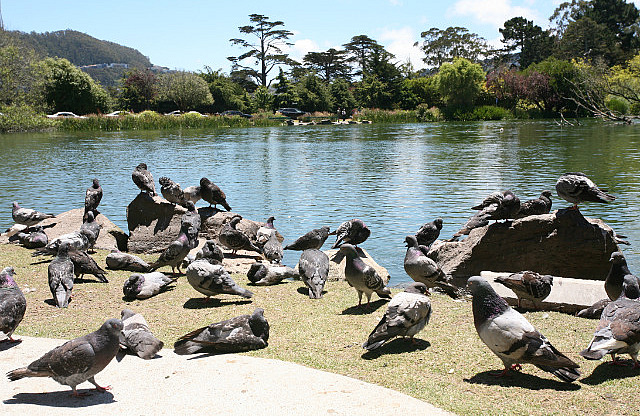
x,y
442,46
329,65
360,50
533,43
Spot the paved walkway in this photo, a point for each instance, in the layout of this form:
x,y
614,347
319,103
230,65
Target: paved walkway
x,y
224,384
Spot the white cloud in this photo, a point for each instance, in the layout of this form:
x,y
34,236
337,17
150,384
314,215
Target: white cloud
x,y
301,47
492,12
400,43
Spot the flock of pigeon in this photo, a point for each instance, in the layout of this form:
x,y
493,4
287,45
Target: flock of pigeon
x,y
504,330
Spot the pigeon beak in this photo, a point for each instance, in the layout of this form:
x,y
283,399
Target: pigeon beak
x,y
334,232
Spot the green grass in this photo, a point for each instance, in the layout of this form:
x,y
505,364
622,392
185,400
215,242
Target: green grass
x,y
448,367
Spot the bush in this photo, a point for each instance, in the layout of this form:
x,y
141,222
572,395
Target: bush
x,y
617,105
21,118
388,116
426,113
485,112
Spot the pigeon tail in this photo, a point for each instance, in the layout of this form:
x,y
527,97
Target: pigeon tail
x,y
225,205
245,293
590,354
23,372
186,347
384,293
565,374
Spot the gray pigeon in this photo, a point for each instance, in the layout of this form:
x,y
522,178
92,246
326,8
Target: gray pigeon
x,y
272,249
528,285
171,191
407,314
239,334
191,222
28,217
174,254
83,264
117,260
353,232
210,252
143,286
78,360
235,239
429,232
269,274
575,187
76,239
618,331
497,206
212,279
34,237
143,179
265,231
511,337
211,193
92,199
61,276
537,206
137,337
192,193
422,268
362,277
12,305
594,311
314,271
615,277
91,229
313,239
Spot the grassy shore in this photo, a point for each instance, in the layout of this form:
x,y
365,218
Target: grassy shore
x,y
448,366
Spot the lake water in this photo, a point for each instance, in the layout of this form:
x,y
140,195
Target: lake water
x,y
393,177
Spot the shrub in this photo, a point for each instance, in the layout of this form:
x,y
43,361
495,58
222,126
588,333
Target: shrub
x,y
426,113
20,118
617,105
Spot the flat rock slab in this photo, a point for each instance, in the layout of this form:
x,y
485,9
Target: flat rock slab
x,y
229,384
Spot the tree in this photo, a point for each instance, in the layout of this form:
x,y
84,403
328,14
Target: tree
x,y
442,46
285,93
460,82
587,39
341,95
186,90
561,75
359,51
227,95
533,43
313,94
16,73
139,89
329,65
266,52
263,99
420,90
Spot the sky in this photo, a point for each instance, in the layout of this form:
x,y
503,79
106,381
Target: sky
x,y
191,34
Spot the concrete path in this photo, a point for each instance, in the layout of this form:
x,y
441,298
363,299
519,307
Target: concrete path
x,y
172,385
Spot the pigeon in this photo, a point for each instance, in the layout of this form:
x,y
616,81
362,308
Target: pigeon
x,y
211,193
264,232
497,206
12,305
192,221
143,286
76,239
528,285
171,191
353,232
174,254
511,337
267,274
362,277
239,334
575,187
272,249
143,179
313,239
78,360
28,217
594,311
137,337
429,232
91,229
92,199
314,271
407,314
235,239
615,277
210,252
536,206
422,268
192,193
35,237
61,272
83,264
212,279
618,331
117,260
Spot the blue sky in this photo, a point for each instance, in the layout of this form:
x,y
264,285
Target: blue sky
x,y
190,34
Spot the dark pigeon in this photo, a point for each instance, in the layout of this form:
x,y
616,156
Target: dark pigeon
x,y
239,334
83,264
91,229
212,279
618,331
143,179
575,187
143,286
26,216
497,206
528,285
92,199
117,260
511,337
314,271
353,232
615,277
174,254
235,239
78,360
313,239
537,206
12,305
429,232
34,237
191,222
272,249
594,311
407,314
268,274
424,269
171,191
61,274
362,277
137,337
210,252
211,193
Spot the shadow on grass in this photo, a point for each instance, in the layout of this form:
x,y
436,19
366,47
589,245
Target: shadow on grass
x,y
521,379
397,346
607,371
62,399
47,260
303,290
204,303
364,309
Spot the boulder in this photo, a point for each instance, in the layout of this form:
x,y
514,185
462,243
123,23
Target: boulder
x,y
562,243
153,223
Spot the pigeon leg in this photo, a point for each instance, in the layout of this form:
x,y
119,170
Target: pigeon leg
x,y
11,339
516,367
75,393
98,387
359,299
503,373
615,361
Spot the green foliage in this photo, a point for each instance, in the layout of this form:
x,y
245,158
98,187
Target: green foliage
x,y
617,104
263,99
428,114
139,90
329,65
285,93
533,43
341,95
16,73
442,46
359,50
460,82
376,115
420,90
227,95
23,118
313,94
561,77
186,90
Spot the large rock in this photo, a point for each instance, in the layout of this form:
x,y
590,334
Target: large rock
x,y
153,223
562,243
